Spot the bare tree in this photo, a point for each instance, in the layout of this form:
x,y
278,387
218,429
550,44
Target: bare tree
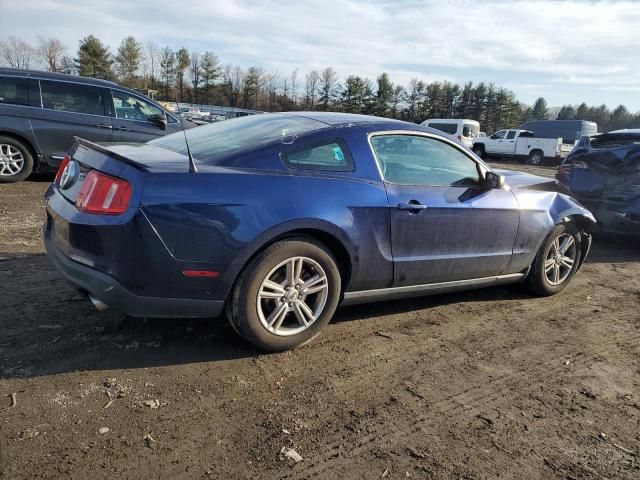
x,y
195,74
312,79
271,81
16,53
293,83
151,56
328,84
51,53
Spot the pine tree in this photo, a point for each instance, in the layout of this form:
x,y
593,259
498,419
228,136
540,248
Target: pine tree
x,y
167,70
211,71
128,60
94,59
182,62
384,95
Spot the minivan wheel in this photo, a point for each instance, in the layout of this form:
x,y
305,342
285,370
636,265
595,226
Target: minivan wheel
x,y
16,162
557,261
286,295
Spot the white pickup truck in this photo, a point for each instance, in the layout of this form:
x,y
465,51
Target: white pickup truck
x,y
521,144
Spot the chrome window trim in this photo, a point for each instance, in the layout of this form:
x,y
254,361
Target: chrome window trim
x,y
482,167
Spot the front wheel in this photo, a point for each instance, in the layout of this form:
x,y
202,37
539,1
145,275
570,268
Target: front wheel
x,y
479,151
557,261
286,295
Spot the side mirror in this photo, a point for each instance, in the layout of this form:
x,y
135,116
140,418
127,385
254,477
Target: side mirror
x,y
493,137
493,180
159,119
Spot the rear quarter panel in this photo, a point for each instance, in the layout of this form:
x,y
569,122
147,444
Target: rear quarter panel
x,y
225,216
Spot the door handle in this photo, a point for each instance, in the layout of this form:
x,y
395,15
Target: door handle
x,y
412,206
103,125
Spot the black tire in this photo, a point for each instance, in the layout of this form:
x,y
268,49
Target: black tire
x,y
536,157
537,280
27,165
242,309
479,151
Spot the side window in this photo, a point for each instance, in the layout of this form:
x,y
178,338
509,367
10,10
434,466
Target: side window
x,y
333,156
14,90
72,97
417,160
500,134
130,107
511,135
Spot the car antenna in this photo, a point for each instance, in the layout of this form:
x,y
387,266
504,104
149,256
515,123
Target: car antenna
x,y
192,163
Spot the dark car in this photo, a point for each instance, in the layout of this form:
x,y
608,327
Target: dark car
x,y
603,172
281,217
41,112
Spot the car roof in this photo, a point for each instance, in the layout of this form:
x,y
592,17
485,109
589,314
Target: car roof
x,y
58,76
457,120
339,118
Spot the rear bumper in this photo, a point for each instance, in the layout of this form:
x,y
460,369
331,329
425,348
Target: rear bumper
x,y
110,292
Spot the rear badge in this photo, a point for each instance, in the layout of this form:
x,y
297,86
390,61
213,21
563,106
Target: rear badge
x,y
69,175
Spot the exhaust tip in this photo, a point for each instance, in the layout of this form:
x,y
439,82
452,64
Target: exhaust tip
x,y
100,306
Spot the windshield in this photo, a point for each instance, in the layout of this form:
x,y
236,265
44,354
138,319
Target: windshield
x,y
450,128
211,143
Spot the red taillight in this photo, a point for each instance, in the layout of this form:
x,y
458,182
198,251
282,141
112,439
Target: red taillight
x,y
103,194
65,162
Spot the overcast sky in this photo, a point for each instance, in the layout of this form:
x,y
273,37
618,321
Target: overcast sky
x,y
566,51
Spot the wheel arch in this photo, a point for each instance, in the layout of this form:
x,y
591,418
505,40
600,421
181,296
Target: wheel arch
x,y
325,234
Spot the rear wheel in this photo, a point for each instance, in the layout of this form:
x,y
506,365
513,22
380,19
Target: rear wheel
x,y
16,161
557,261
479,150
536,157
286,295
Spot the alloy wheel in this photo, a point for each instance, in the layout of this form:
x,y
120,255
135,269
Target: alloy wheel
x,y
292,296
560,259
11,160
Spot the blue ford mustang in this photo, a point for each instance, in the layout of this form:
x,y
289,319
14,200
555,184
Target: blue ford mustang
x,y
279,218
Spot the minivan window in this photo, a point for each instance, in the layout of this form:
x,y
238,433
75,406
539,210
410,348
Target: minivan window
x,y
14,90
131,107
450,128
72,97
470,130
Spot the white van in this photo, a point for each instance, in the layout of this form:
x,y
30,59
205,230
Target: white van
x,y
465,131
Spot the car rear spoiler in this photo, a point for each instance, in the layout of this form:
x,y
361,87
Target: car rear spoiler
x,y
106,151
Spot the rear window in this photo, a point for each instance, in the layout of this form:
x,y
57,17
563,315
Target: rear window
x,y
333,156
214,142
615,140
14,90
470,130
450,128
72,97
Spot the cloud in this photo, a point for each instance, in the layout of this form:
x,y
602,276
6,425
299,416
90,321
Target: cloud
x,y
589,44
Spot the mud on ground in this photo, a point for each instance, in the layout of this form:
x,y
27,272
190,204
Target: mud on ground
x,y
485,384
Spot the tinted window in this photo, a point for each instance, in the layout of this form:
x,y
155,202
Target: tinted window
x,y
499,134
511,135
72,97
214,142
450,128
416,160
329,156
470,130
131,107
14,90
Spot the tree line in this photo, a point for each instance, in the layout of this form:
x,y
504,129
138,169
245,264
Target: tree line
x,y
201,78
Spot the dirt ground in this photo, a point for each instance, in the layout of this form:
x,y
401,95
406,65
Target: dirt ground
x,y
493,383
